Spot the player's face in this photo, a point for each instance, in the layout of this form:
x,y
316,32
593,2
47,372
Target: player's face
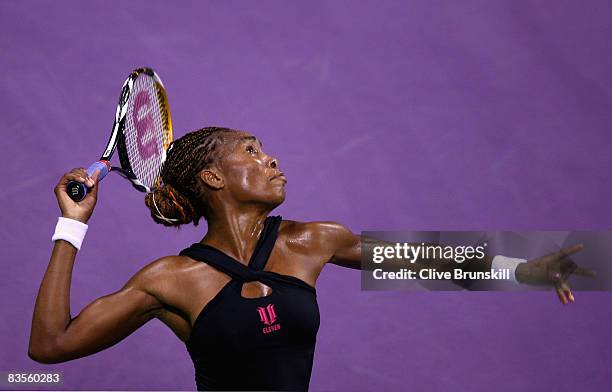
x,y
251,175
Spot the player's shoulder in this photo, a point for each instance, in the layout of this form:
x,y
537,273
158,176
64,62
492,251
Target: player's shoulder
x,y
165,264
162,269
314,232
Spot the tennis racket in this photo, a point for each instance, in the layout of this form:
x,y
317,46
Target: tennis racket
x,y
141,134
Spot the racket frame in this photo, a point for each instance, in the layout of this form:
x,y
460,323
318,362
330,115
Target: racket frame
x,y
116,140
118,136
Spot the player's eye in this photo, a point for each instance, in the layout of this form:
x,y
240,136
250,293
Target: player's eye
x,y
251,150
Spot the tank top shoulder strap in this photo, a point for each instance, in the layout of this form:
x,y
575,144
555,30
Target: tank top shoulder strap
x,y
219,260
266,243
233,267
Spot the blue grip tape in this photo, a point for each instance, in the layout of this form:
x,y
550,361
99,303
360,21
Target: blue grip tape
x,y
77,190
103,166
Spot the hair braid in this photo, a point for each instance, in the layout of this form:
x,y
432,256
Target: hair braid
x,y
179,200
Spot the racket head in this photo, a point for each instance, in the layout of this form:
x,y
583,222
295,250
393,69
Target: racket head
x,y
143,128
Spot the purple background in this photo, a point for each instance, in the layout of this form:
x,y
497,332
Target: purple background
x,y
387,115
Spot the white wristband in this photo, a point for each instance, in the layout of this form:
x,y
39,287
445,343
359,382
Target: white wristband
x,y
507,263
70,230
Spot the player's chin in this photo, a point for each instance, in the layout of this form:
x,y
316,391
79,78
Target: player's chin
x,y
278,196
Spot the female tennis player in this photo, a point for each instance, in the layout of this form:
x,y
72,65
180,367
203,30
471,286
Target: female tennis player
x,y
242,299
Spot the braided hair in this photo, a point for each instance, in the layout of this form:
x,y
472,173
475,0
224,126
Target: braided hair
x,y
179,199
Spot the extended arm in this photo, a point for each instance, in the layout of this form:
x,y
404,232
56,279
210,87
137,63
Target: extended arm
x,y
551,270
350,247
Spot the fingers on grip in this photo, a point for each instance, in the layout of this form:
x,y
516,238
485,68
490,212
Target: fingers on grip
x,y
79,175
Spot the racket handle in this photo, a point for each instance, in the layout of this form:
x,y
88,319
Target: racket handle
x,y
77,191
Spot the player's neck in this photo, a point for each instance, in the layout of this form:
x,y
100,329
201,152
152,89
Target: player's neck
x,y
236,232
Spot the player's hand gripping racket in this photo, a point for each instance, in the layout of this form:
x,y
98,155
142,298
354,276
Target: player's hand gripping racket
x,y
141,133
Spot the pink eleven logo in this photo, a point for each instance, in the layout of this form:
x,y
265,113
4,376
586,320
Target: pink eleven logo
x,y
268,316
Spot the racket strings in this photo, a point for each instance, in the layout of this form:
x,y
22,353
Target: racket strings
x,y
146,130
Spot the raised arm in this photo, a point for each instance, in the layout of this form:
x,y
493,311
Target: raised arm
x,y
56,336
550,270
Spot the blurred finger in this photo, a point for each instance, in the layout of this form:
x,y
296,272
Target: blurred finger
x,y
560,294
567,291
584,272
570,250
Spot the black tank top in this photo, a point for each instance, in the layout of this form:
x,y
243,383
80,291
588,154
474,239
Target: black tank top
x,y
262,343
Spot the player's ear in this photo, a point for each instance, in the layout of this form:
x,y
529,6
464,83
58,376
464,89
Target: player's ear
x,y
212,178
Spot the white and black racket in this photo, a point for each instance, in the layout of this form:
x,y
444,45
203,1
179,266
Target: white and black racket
x,y
141,133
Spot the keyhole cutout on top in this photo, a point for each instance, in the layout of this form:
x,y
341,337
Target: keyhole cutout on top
x,y
255,289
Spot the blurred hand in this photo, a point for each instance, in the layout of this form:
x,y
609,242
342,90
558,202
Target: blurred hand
x,y
82,210
553,270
